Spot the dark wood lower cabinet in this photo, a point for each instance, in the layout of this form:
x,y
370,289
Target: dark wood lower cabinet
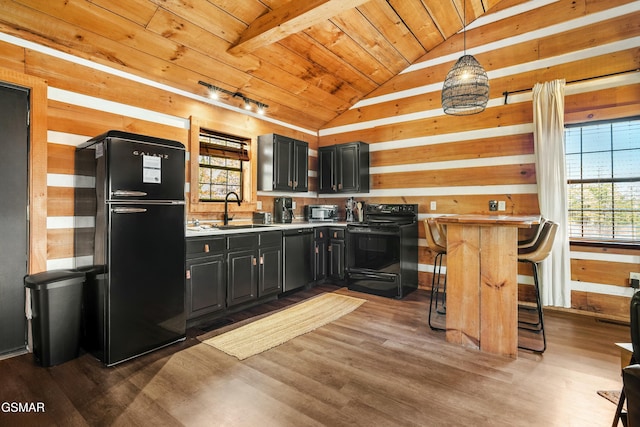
x,y
205,276
270,271
336,254
206,287
231,271
320,254
225,273
242,283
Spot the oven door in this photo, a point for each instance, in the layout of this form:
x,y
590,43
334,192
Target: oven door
x,y
373,260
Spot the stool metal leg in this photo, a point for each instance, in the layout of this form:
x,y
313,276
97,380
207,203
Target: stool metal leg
x,y
538,326
435,291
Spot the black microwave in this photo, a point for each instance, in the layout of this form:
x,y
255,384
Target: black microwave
x,y
321,213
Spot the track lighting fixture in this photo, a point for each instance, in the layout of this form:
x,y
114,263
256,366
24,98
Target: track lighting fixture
x,y
215,91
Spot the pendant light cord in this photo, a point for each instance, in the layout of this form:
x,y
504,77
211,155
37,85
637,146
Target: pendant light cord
x,y
464,27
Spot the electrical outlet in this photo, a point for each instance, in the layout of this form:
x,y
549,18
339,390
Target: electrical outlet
x,y
432,205
493,205
259,205
634,280
293,204
502,205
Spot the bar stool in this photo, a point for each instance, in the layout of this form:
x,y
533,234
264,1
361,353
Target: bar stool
x,y
533,255
530,241
436,241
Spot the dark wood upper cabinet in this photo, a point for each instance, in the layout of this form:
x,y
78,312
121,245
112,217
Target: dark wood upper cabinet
x,y
344,168
283,164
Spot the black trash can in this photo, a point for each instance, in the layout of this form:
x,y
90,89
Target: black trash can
x,y
92,327
56,305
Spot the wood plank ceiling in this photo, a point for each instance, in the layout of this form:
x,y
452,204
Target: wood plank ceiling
x,y
308,60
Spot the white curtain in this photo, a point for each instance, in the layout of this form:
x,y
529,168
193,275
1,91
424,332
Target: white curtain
x,y
548,135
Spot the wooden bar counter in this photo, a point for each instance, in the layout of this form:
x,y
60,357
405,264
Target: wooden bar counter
x,y
482,281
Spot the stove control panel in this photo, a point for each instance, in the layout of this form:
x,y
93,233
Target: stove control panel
x,y
406,209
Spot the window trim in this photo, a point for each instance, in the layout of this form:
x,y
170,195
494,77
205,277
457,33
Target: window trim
x,y
249,196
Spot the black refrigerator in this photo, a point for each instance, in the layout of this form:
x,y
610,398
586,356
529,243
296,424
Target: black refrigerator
x,y
133,300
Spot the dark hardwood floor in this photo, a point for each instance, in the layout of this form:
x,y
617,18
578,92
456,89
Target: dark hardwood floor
x,y
380,365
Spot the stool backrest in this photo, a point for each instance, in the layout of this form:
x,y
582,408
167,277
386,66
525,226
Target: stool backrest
x,y
543,245
635,325
535,235
434,240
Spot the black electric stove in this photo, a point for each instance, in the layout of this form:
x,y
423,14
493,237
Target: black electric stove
x,y
382,251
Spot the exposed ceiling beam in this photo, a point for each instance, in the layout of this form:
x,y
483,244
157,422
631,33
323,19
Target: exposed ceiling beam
x,y
289,19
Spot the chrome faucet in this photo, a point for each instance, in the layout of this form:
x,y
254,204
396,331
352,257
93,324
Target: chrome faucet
x,y
226,218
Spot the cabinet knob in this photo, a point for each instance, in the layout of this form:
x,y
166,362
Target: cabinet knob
x,y
206,248
317,250
329,248
321,235
188,274
335,234
340,186
254,261
291,184
262,260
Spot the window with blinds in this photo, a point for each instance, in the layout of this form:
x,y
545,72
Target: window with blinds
x,y
603,175
220,171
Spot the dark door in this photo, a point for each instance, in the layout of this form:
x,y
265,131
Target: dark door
x,y
282,163
348,168
301,166
270,280
336,259
206,286
144,171
14,140
146,273
326,169
242,279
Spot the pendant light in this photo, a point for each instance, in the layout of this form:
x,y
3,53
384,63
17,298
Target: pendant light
x,y
466,88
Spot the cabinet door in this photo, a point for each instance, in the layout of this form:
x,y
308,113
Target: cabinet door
x,y
348,169
320,260
205,286
282,163
326,170
336,259
300,171
270,276
242,278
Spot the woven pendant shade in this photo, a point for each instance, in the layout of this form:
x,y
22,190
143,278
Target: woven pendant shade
x,y
466,88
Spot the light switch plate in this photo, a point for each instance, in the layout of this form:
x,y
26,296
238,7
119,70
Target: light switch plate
x,y
293,204
259,205
432,205
502,205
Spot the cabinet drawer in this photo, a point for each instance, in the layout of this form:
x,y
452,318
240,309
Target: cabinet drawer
x,y
271,238
320,233
336,233
204,246
243,241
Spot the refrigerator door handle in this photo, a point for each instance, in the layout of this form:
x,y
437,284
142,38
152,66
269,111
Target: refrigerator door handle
x,y
128,210
128,193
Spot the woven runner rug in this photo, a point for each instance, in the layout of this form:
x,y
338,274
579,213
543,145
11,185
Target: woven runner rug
x,y
280,327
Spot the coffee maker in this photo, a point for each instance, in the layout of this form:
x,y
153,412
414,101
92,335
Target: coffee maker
x,y
282,210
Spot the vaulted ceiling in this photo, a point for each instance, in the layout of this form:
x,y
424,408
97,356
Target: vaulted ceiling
x,y
308,60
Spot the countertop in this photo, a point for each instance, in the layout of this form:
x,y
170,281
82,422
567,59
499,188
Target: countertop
x,y
215,229
523,221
